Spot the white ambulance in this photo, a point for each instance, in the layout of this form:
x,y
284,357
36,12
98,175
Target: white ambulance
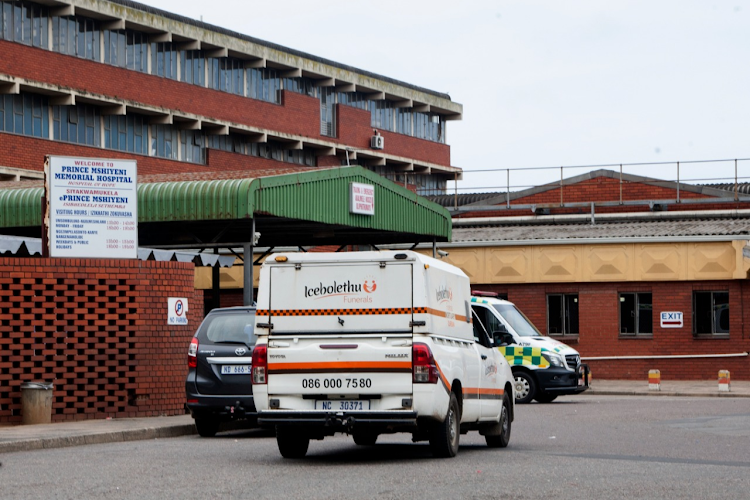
x,y
543,367
372,343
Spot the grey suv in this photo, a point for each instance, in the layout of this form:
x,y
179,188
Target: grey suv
x,y
218,384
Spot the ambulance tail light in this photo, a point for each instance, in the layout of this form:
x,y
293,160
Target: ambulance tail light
x,y
193,353
424,369
260,365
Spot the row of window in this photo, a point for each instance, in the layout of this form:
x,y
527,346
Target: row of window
x,y
31,114
710,313
30,23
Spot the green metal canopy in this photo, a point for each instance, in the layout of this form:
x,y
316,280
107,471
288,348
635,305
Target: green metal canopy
x,y
297,209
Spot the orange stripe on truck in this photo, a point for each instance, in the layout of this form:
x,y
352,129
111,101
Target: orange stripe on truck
x,y
342,312
341,366
361,312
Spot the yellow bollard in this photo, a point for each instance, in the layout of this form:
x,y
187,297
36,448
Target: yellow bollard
x,y
654,380
723,380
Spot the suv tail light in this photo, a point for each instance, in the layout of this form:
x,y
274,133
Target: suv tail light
x,y
260,364
193,353
424,369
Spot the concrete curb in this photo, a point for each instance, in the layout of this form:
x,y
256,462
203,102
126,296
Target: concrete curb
x,y
665,393
98,438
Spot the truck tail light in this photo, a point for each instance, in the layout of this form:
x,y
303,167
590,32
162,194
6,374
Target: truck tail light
x,y
260,365
424,369
193,353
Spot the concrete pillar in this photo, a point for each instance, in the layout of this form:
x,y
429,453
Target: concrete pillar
x,y
654,380
723,380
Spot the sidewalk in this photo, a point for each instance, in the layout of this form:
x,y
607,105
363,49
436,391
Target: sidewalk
x,y
35,437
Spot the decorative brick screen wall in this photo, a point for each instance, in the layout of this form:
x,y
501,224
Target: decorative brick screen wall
x,y
98,330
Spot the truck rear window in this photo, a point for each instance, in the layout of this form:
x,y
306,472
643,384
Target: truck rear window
x,y
230,327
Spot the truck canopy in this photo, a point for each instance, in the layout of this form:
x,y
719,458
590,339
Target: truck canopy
x,y
363,292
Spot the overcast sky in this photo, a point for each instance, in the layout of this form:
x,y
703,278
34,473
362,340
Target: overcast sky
x,y
543,83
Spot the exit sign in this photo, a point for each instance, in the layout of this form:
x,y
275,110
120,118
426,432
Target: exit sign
x,y
671,320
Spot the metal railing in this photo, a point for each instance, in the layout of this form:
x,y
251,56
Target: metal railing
x,y
680,167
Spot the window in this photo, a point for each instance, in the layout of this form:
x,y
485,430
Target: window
x,y
263,84
126,133
711,313
354,99
193,67
24,22
636,314
76,36
301,85
25,114
485,324
562,314
79,124
327,112
403,121
226,74
192,146
164,141
127,49
382,114
164,60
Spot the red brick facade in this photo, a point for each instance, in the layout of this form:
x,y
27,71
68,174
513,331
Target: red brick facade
x,y
298,114
599,327
98,330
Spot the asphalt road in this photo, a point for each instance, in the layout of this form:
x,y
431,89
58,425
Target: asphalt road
x,y
583,447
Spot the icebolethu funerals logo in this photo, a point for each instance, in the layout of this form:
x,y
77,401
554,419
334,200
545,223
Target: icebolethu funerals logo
x,y
350,292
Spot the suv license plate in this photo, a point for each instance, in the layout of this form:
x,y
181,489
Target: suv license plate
x,y
236,369
343,404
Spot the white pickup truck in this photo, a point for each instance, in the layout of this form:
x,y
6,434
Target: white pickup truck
x,y
372,343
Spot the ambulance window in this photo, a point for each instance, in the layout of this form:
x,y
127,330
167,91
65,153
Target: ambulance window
x,y
481,336
491,323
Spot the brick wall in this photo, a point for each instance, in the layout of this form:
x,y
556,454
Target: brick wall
x,y
97,329
599,328
298,114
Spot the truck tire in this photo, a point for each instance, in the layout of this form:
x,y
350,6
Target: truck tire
x,y
365,438
206,426
445,435
545,397
525,387
292,444
502,439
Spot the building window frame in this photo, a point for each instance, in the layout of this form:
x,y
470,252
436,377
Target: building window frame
x,y
711,314
636,313
562,314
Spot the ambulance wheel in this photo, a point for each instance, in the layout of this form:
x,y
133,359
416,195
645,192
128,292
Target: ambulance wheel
x,y
206,427
445,435
501,440
525,387
291,443
365,438
545,397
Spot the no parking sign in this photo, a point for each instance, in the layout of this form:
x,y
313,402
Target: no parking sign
x,y
177,311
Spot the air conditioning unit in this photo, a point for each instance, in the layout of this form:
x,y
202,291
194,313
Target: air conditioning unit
x,y
377,142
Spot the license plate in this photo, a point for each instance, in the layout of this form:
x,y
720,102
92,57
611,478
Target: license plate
x,y
236,369
343,404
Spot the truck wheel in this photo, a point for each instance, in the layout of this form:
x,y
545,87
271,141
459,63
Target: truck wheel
x,y
445,435
365,438
545,397
525,387
207,427
291,443
501,440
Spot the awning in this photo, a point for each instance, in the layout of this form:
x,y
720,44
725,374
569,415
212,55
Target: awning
x,y
309,207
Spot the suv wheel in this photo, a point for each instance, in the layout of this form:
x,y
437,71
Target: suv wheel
x,y
207,427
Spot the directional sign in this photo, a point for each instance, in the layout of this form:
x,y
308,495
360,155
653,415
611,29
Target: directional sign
x,y
671,320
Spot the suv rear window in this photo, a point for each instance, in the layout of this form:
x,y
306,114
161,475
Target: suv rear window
x,y
230,327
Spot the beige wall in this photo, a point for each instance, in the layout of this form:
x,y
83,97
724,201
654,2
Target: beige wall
x,y
572,263
592,263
